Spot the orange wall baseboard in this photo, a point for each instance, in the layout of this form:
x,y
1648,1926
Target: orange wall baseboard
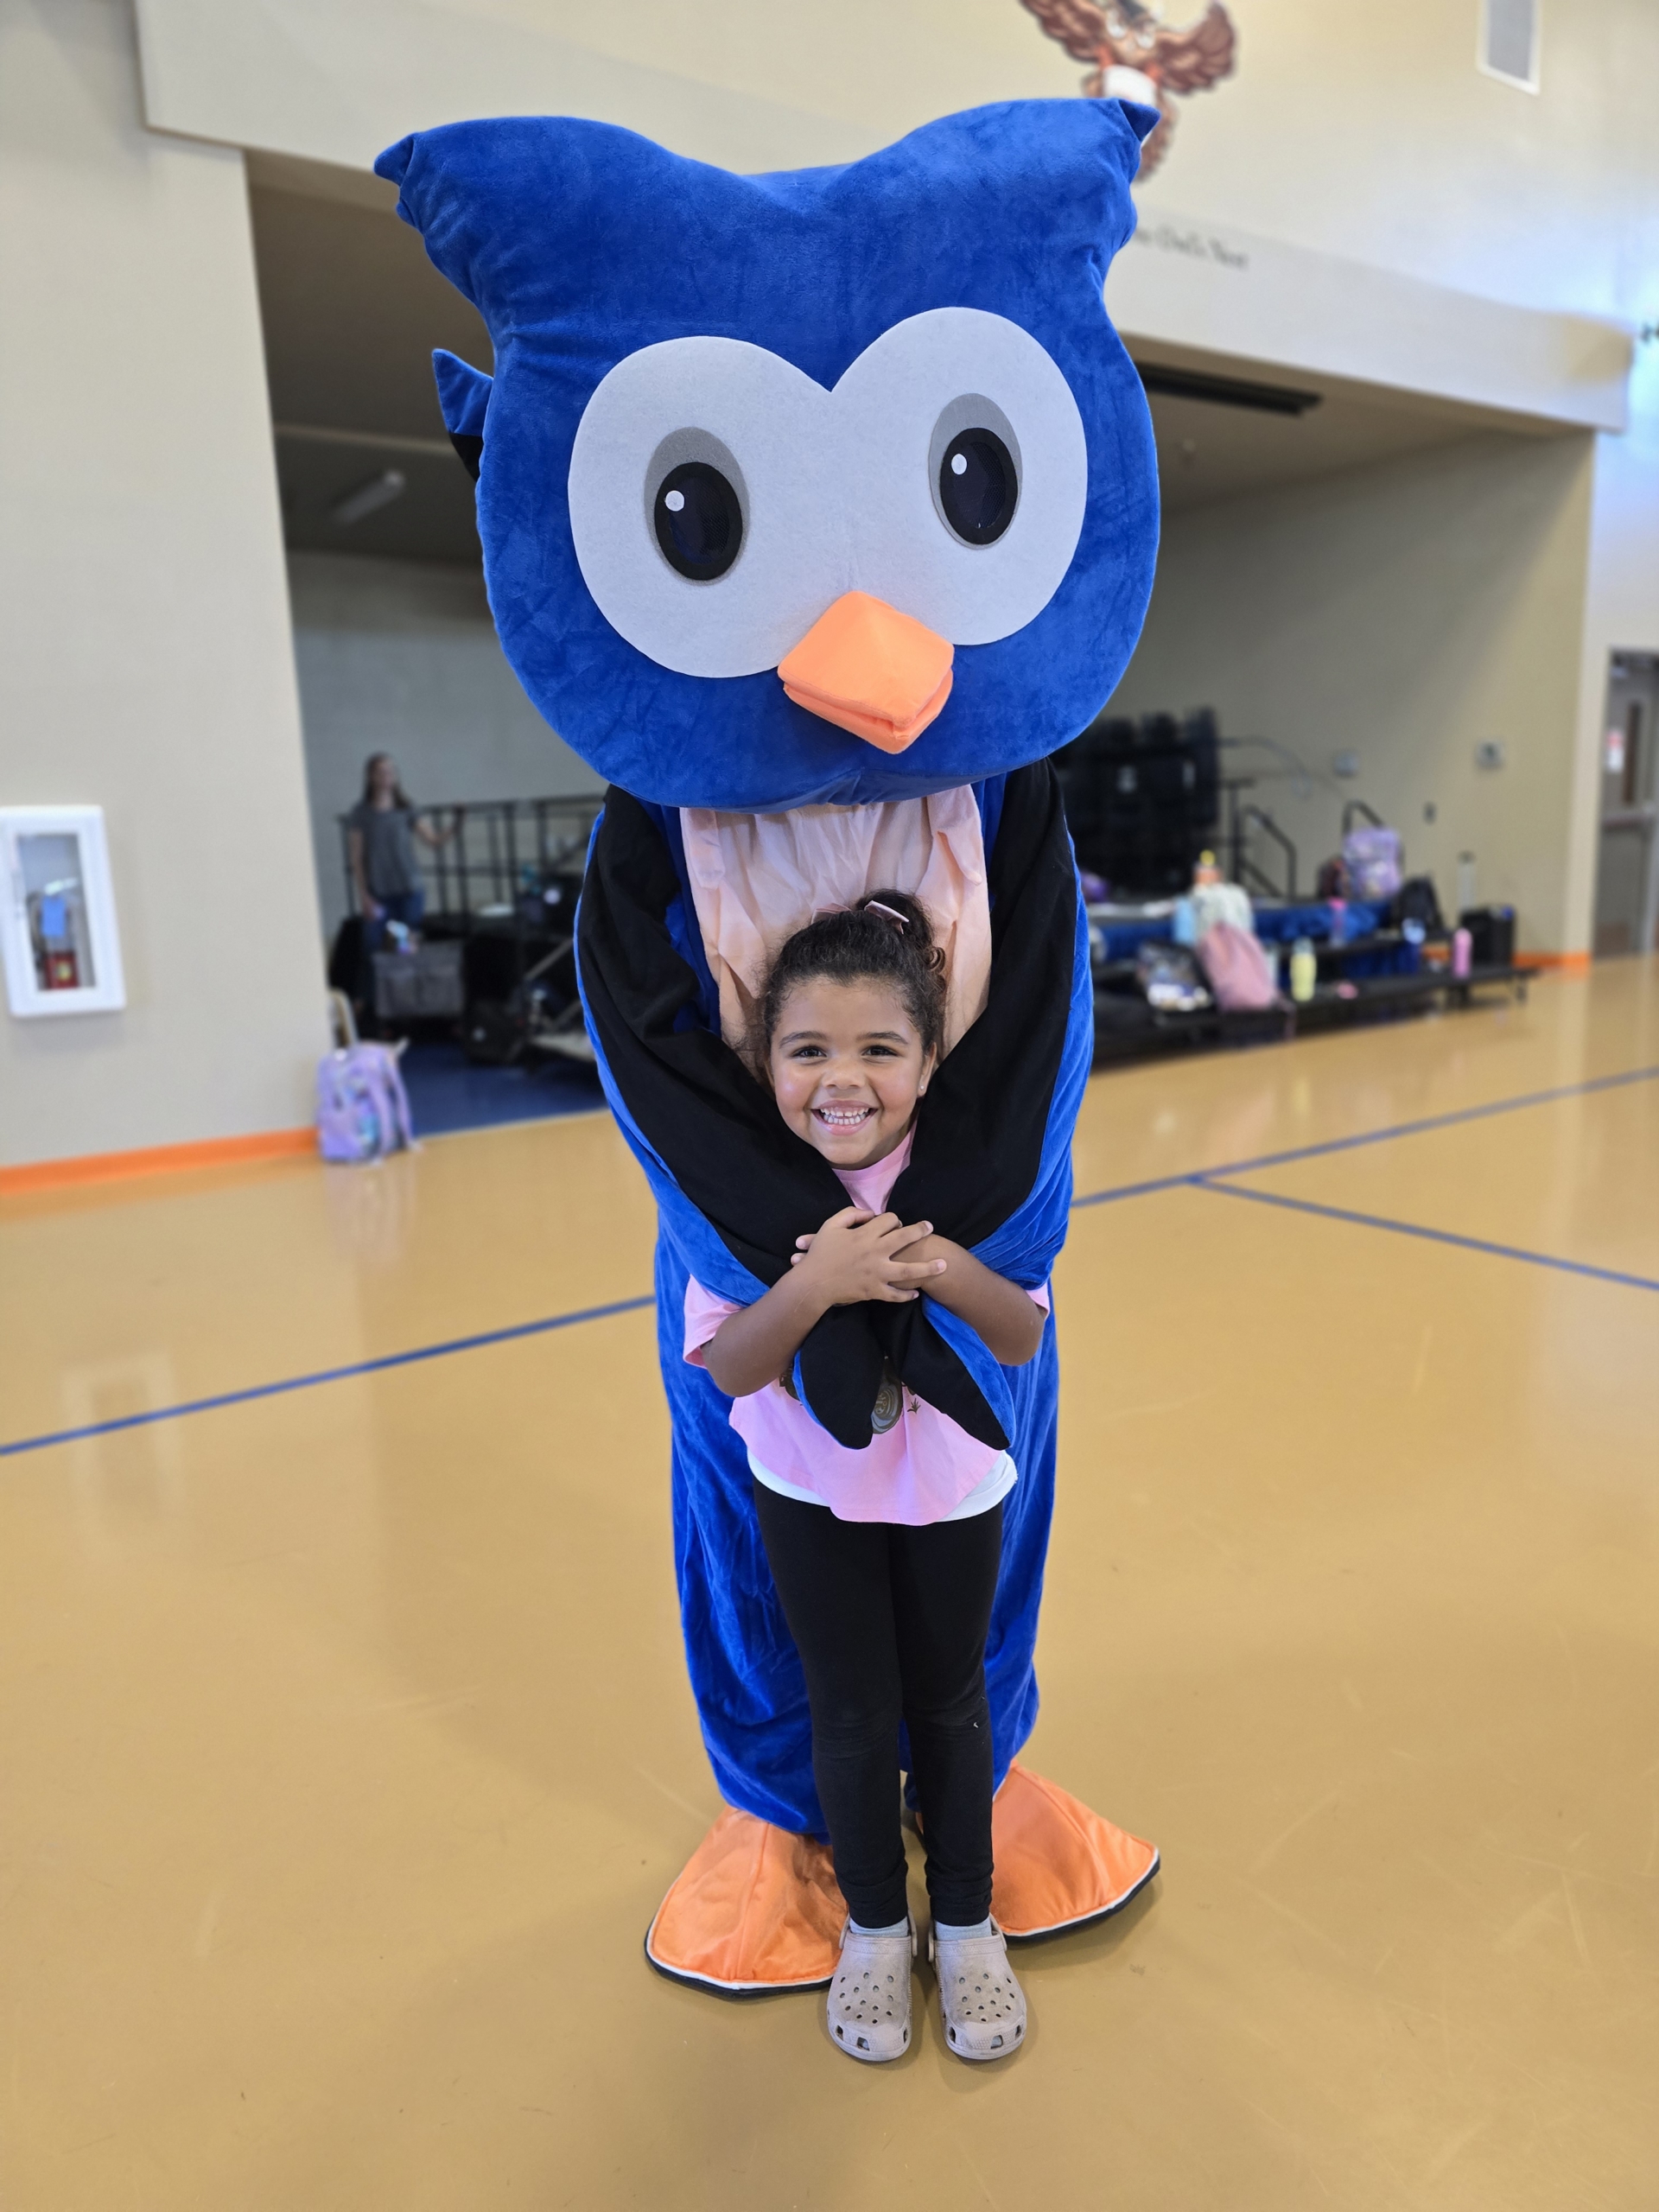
x,y
276,1144
1564,963
154,1160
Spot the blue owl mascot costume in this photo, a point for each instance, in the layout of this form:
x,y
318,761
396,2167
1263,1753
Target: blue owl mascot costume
x,y
817,510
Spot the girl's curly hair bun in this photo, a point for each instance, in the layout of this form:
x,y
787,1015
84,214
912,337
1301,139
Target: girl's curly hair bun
x,y
886,938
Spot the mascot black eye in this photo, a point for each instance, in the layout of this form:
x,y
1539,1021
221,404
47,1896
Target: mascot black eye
x,y
699,523
979,487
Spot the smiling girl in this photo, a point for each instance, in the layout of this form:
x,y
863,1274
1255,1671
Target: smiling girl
x,y
885,1558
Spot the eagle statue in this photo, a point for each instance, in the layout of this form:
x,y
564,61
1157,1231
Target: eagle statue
x,y
1136,55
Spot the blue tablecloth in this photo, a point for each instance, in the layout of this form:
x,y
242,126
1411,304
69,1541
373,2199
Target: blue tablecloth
x,y
1283,924
1121,940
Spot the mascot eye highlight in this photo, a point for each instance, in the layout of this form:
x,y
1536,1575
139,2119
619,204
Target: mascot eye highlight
x,y
698,521
979,487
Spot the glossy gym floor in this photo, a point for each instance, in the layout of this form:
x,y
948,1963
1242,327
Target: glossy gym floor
x,y
348,1747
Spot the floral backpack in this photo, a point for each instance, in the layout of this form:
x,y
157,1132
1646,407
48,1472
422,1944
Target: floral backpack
x,y
1371,857
362,1106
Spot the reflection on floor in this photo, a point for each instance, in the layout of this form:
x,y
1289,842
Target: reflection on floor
x,y
348,1747
447,1091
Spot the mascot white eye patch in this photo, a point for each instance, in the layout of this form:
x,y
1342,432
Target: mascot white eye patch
x,y
720,500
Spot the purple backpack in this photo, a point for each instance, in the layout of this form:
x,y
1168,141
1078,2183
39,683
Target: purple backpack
x,y
362,1106
1372,860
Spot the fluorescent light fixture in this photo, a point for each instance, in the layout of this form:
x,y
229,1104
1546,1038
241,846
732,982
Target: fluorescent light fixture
x,y
368,498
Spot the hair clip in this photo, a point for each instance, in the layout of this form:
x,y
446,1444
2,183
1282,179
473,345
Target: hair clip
x,y
887,915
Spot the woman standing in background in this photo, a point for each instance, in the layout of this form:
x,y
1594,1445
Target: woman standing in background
x,y
380,831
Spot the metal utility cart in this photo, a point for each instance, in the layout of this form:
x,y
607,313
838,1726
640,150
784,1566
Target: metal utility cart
x,y
505,883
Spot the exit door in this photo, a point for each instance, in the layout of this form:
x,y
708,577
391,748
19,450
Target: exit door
x,y
1627,868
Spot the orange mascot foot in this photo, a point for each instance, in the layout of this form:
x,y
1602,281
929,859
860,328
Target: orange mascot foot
x,y
758,1910
1059,1865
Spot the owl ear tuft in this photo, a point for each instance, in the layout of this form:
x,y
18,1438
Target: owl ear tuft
x,y
464,399
1142,119
393,164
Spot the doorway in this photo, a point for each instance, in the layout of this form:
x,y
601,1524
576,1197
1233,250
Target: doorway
x,y
1627,862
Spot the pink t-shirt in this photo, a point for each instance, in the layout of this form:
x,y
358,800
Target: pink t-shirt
x,y
916,1472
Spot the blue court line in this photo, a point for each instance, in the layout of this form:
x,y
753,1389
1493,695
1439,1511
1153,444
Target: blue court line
x,y
326,1375
1147,1190
1386,1135
1434,1236
1201,1178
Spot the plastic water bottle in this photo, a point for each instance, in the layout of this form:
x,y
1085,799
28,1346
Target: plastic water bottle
x,y
1304,971
1462,951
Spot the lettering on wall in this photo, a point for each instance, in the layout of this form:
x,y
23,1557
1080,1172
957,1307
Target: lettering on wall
x,y
1134,54
1194,246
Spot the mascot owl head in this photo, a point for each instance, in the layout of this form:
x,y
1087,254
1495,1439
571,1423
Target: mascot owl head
x,y
831,486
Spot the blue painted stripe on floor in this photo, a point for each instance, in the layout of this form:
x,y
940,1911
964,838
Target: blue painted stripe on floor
x,y
327,1374
1433,1236
1370,1136
1200,1178
1144,1190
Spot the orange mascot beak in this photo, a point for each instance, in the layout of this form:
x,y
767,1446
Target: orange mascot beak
x,y
870,670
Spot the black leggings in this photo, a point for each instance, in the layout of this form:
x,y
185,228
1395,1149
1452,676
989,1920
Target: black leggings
x,y
890,1623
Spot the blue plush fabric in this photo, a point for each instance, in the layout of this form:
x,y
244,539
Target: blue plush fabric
x,y
745,1673
463,394
580,244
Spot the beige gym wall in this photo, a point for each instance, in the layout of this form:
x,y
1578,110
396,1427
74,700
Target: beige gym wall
x,y
1360,131
400,657
1621,611
148,661
1406,613
1369,133
1362,135
147,664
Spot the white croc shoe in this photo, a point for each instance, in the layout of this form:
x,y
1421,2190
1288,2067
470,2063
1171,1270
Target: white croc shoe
x,y
981,2004
868,2007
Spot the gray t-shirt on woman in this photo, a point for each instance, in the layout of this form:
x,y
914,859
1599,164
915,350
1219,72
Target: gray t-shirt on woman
x,y
389,865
